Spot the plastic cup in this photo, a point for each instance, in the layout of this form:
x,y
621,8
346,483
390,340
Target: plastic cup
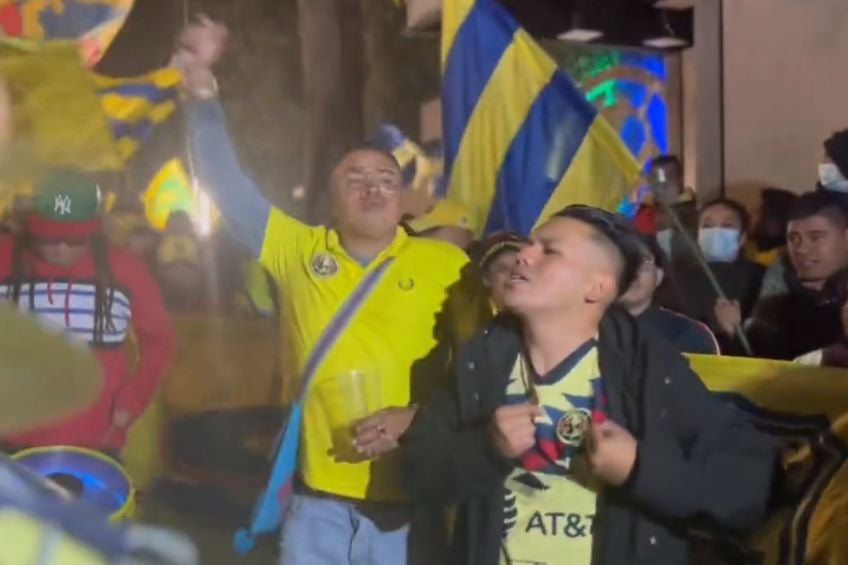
x,y
348,398
360,394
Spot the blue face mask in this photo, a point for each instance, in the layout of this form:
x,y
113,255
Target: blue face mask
x,y
664,241
719,245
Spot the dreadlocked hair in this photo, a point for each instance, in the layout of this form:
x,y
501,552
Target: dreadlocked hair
x,y
23,272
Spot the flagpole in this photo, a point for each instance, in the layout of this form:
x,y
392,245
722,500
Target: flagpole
x,y
713,280
201,201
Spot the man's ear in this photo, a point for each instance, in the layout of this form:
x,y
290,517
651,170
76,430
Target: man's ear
x,y
601,289
660,277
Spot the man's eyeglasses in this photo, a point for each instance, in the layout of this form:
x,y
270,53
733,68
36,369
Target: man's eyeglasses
x,y
648,264
387,180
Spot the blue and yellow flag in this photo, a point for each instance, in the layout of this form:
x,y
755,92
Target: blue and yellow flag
x,y
134,106
92,24
521,141
422,171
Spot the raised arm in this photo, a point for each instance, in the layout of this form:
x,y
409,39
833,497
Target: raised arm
x,y
242,205
199,47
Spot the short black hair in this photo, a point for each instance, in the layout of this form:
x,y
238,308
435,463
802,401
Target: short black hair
x,y
665,161
820,203
738,208
365,146
614,231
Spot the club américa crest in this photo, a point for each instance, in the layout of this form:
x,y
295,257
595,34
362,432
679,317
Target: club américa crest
x,y
325,265
572,427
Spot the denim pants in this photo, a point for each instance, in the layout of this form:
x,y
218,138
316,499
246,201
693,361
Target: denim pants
x,y
327,531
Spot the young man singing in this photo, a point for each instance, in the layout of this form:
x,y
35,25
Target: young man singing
x,y
568,436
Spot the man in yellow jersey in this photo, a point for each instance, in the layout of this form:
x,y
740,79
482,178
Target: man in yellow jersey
x,y
346,510
572,438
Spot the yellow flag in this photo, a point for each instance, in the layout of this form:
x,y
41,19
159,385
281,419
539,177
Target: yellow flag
x,y
172,191
169,191
806,409
57,118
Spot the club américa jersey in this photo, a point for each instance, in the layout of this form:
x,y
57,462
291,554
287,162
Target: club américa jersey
x,y
550,497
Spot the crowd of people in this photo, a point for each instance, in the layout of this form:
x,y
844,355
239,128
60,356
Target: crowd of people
x,y
535,405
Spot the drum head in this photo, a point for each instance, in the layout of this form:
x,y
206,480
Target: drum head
x,y
89,476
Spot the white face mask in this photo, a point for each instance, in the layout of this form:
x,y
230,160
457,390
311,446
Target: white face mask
x,y
831,178
664,241
719,245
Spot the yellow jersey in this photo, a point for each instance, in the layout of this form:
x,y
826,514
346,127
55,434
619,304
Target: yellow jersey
x,y
401,339
550,498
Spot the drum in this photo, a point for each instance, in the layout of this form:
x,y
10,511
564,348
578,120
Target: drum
x,y
87,475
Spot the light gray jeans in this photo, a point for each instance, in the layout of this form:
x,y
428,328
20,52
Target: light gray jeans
x,y
326,531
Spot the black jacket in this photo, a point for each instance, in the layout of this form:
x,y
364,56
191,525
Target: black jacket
x,y
784,326
685,334
698,459
740,280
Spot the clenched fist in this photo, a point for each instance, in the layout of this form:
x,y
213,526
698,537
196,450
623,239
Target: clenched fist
x,y
728,314
199,48
513,429
612,452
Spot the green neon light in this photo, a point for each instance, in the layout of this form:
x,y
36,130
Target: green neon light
x,y
605,89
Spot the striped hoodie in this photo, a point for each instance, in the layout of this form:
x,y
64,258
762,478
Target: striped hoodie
x,y
64,298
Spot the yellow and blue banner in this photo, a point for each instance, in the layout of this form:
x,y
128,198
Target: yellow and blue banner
x,y
134,106
520,139
806,410
92,24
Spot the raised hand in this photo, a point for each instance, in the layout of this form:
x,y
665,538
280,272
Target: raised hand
x,y
199,47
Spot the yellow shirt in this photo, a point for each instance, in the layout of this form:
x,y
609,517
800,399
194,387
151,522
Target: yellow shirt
x,y
400,339
550,498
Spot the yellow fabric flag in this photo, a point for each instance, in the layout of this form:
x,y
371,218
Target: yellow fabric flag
x,y
169,191
57,117
806,408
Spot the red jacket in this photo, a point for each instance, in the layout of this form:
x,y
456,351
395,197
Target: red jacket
x,y
65,298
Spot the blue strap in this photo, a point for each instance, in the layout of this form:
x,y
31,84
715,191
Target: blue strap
x,y
271,505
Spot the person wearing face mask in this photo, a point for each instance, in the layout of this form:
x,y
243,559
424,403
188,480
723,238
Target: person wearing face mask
x,y
722,228
805,317
833,170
